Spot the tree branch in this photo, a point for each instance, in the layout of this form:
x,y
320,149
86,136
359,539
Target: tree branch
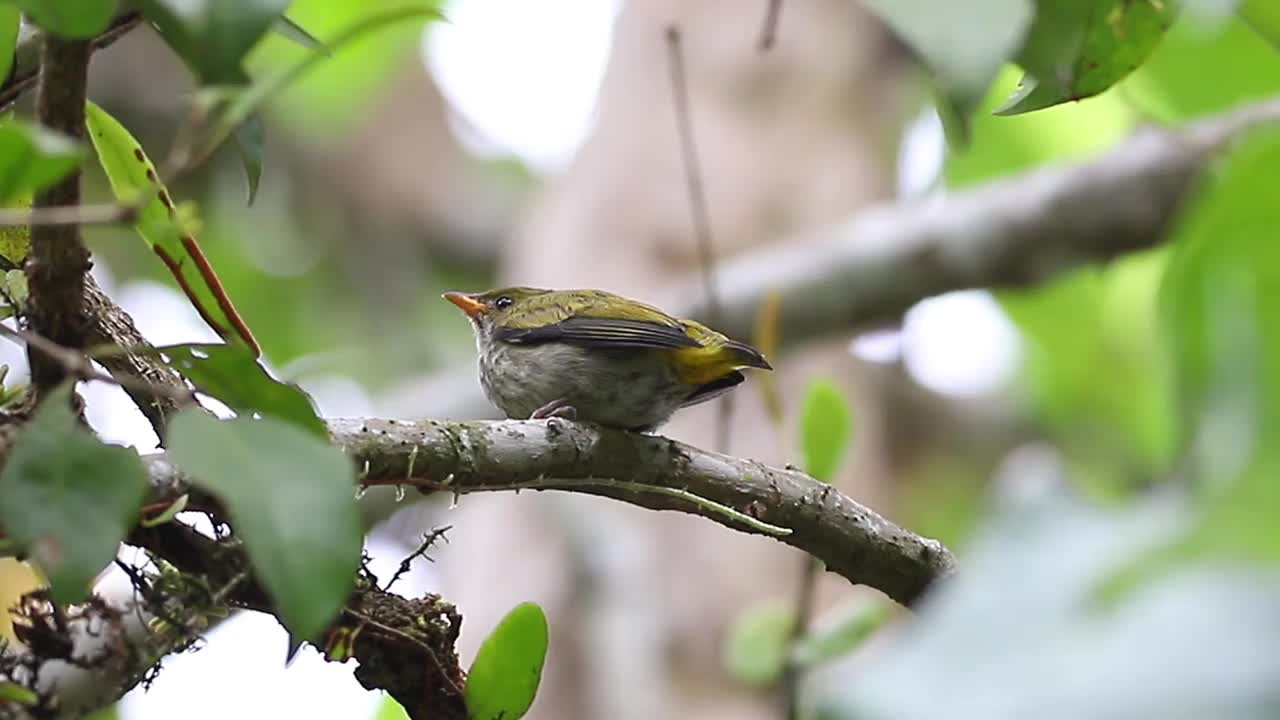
x,y
1017,231
58,262
464,457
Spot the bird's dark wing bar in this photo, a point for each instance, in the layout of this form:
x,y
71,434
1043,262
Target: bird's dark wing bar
x,y
601,332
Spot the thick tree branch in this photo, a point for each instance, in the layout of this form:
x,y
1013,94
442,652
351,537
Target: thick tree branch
x,y
59,262
1017,231
854,541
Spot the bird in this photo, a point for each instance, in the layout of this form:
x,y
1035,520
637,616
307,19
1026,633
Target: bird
x,y
593,356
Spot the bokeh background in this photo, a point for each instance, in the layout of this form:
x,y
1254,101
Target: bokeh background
x,y
536,143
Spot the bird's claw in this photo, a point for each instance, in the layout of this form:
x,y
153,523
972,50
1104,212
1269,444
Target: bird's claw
x,y
555,409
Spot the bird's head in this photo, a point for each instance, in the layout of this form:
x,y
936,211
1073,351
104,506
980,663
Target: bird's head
x,y
504,307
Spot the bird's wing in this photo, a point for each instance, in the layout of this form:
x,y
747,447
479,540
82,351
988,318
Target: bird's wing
x,y
602,332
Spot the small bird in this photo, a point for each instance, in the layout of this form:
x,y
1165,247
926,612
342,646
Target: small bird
x,y
595,356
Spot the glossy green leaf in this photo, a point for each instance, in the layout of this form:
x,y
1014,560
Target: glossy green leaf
x,y
70,18
756,645
1078,48
295,32
291,500
68,498
231,374
826,427
855,625
249,145
31,159
503,679
161,223
10,21
241,103
1264,17
964,45
213,36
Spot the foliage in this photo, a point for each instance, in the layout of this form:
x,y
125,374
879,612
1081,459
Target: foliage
x,y
505,674
826,426
68,498
291,499
32,158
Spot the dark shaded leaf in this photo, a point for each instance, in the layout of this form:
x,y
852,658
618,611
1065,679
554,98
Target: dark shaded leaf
x,y
291,499
1078,48
240,103
295,32
504,677
249,145
213,36
68,498
231,374
31,159
70,18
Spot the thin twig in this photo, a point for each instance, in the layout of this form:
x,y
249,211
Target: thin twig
x,y
78,365
428,539
68,215
792,674
769,31
698,207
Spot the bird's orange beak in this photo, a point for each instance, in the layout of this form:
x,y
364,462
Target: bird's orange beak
x,y
468,304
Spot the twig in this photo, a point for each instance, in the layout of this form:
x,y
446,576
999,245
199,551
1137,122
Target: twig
x,y
68,215
428,539
698,207
854,541
769,31
791,672
77,365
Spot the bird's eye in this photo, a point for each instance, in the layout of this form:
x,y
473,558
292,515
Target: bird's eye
x,y
503,302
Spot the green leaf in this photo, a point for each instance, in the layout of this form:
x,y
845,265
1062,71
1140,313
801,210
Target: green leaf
x,y
826,426
68,498
291,500
15,240
1264,17
231,374
964,45
12,692
755,648
240,103
391,710
70,18
13,292
213,36
504,677
10,21
32,158
843,636
160,222
295,32
1079,48
249,145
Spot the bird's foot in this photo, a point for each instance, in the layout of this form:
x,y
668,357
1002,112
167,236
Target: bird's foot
x,y
555,409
